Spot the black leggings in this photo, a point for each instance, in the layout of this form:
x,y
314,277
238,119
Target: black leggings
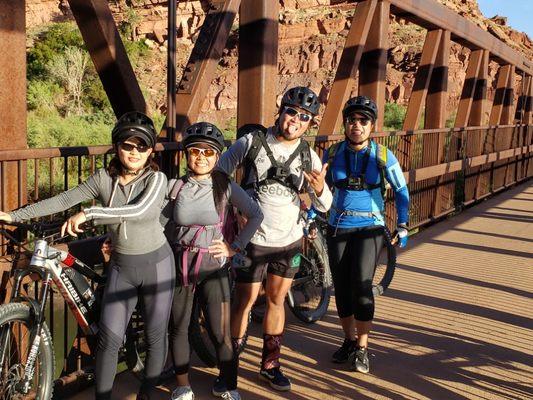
x,y
214,295
352,257
152,282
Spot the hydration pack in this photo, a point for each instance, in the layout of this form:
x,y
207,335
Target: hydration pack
x,y
278,172
227,224
359,183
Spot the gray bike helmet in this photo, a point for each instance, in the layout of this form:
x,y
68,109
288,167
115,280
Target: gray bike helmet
x,y
303,98
363,105
204,132
134,124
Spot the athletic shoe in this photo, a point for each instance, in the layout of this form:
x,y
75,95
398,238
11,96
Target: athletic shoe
x,y
344,352
231,395
360,361
182,393
219,387
275,377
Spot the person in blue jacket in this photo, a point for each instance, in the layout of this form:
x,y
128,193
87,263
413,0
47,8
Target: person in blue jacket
x,y
359,169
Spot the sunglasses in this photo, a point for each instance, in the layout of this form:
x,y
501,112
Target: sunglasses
x,y
195,151
141,148
362,121
302,116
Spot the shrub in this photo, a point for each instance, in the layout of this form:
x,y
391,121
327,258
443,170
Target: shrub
x,y
394,116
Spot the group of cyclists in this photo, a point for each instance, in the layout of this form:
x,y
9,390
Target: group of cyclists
x,y
171,240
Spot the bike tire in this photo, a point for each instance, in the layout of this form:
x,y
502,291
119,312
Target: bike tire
x,y
201,337
43,384
385,265
310,293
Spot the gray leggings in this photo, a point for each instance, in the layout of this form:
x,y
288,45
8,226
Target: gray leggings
x,y
149,277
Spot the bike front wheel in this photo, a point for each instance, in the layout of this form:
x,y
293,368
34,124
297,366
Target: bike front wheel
x,y
16,330
385,265
309,295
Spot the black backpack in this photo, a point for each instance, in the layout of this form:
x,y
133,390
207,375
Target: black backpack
x,y
278,172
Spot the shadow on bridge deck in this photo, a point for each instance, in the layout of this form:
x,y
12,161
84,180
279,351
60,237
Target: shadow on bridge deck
x,y
457,322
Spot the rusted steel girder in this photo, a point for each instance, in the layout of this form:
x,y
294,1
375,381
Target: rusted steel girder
x,y
499,97
203,61
109,56
422,79
469,87
373,66
258,62
12,99
348,64
479,105
432,15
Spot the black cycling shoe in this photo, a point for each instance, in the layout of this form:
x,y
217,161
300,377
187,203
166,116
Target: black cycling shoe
x,y
360,361
219,387
344,352
275,377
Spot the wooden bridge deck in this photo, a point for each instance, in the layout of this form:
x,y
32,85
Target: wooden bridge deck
x,y
457,322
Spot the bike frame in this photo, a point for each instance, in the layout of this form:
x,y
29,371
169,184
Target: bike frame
x,y
47,262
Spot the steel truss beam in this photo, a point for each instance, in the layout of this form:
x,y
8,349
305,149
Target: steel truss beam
x,y
348,64
109,56
258,65
200,69
432,15
12,99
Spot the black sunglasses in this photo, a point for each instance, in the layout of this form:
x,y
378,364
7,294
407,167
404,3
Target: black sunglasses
x,y
353,120
141,148
302,116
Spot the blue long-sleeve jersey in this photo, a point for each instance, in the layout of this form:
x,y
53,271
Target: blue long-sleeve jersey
x,y
368,201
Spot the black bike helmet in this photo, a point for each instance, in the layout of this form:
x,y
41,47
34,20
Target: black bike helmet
x,y
204,132
363,105
134,124
302,97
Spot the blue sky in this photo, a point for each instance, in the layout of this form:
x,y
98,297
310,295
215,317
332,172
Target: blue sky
x,y
518,12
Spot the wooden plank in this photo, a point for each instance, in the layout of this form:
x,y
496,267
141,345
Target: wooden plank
x,y
372,78
348,64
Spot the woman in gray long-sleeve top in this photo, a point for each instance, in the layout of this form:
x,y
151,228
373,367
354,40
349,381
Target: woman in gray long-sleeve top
x,y
198,208
134,194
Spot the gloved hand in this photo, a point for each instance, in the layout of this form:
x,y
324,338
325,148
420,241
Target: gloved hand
x,y
401,235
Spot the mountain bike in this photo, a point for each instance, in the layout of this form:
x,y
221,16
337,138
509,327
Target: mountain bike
x,y
26,348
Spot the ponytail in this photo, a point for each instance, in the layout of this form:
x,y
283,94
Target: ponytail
x,y
221,183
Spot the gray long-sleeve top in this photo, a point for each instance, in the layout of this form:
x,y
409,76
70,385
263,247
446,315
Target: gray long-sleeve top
x,y
195,205
132,211
281,225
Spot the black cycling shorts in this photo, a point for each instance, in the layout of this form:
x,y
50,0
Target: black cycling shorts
x,y
281,261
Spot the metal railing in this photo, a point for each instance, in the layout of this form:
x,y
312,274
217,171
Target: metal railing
x,y
449,169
